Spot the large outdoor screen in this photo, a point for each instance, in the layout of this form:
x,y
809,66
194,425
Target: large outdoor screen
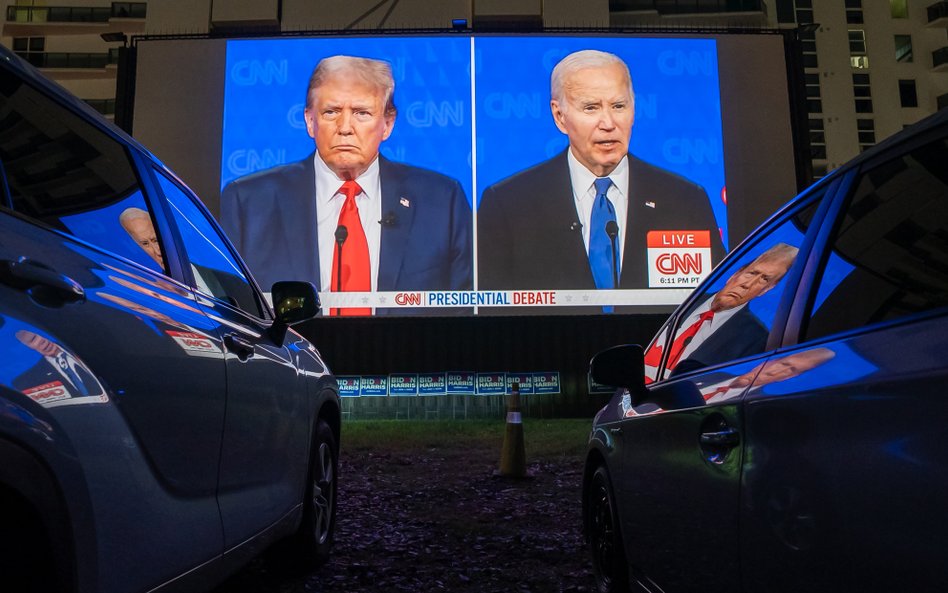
x,y
489,195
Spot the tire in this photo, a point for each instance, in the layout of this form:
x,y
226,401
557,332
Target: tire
x,y
603,536
25,549
313,540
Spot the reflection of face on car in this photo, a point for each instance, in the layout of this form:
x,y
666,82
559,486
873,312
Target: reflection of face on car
x,y
756,278
159,422
721,317
793,461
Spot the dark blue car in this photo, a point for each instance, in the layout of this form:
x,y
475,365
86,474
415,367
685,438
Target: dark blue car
x,y
160,422
786,429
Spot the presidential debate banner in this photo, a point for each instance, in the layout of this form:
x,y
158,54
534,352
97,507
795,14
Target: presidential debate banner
x,y
482,193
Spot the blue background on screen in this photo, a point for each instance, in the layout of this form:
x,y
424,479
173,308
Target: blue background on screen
x,y
677,112
677,105
265,91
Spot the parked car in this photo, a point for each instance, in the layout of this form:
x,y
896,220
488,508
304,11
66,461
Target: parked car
x,y
160,423
794,438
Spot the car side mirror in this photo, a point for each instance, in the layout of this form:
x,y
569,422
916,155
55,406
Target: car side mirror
x,y
621,366
293,302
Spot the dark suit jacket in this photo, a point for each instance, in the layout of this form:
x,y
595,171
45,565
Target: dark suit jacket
x,y
426,239
528,236
742,335
43,372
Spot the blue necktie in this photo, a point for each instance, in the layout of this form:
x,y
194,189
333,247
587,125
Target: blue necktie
x,y
72,374
600,245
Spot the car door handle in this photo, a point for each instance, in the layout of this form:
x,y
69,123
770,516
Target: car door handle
x,y
722,438
26,274
239,345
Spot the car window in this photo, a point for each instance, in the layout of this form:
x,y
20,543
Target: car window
x,y
888,257
73,177
653,354
216,272
732,316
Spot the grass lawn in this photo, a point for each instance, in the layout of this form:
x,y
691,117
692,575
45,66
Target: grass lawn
x,y
543,438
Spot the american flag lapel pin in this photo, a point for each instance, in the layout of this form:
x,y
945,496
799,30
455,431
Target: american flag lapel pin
x,y
404,202
650,204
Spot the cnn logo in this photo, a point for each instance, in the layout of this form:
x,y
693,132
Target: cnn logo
x,y
403,299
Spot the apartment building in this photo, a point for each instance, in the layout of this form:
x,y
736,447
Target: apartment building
x,y
75,43
870,67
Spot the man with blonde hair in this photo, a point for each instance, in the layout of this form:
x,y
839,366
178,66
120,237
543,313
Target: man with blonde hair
x,y
346,218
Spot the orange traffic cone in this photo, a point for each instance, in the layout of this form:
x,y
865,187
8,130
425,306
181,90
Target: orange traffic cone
x,y
513,462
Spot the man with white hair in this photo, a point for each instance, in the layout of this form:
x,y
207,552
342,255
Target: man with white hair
x,y
405,228
722,327
582,217
137,223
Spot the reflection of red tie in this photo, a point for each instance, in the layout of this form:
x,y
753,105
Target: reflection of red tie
x,y
717,391
654,354
356,271
683,339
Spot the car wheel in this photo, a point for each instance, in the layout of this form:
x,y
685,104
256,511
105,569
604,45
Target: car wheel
x,y
603,536
314,538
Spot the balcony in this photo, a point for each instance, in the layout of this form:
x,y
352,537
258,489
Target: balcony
x,y
75,14
938,14
667,7
42,21
71,60
103,106
129,10
633,13
940,60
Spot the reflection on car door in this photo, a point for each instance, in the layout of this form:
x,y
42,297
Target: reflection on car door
x,y
158,433
266,429
681,491
848,457
689,443
154,445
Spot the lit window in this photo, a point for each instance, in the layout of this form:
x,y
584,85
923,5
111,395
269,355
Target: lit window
x,y
899,9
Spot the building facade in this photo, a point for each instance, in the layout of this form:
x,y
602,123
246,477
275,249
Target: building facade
x,y
870,68
75,43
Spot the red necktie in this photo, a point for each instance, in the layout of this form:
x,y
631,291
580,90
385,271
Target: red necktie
x,y
683,339
717,391
654,354
356,270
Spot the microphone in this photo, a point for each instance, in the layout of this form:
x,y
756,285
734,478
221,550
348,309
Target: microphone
x,y
612,229
342,233
388,220
575,226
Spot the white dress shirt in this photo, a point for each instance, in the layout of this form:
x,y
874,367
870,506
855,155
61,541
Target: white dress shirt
x,y
329,203
708,327
584,195
91,384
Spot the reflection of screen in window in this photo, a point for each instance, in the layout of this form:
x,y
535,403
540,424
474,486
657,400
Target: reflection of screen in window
x,y
200,239
101,227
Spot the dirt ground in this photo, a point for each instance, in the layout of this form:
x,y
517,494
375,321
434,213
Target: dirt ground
x,y
439,520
